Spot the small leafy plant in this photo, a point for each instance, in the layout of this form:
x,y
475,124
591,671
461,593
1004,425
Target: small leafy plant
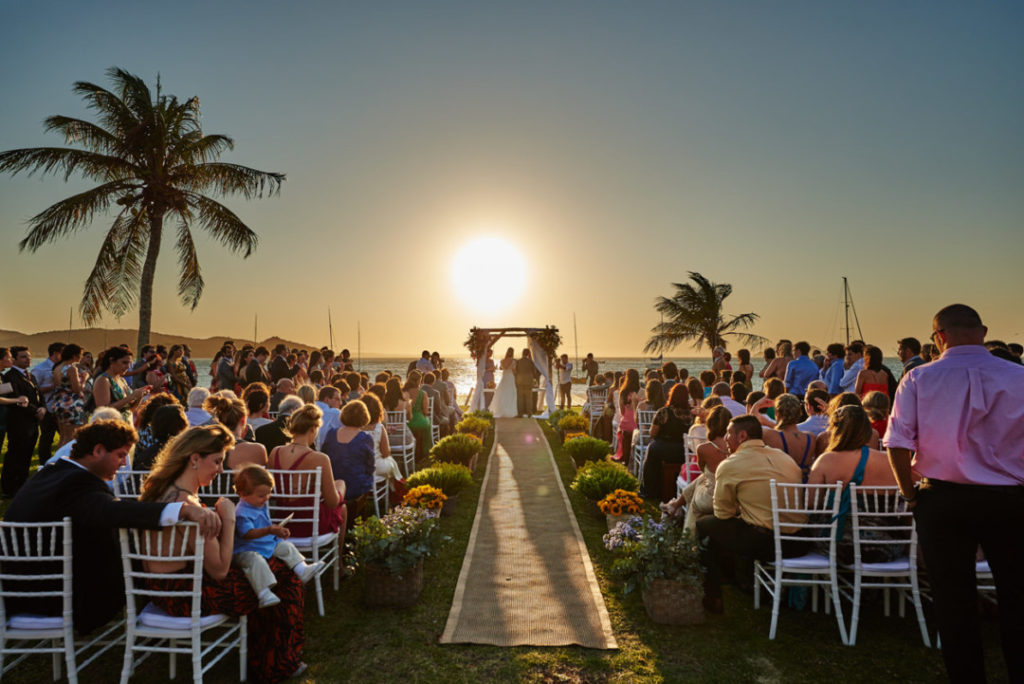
x,y
557,416
573,422
473,425
483,414
397,541
458,448
425,496
621,502
598,479
586,449
646,550
450,478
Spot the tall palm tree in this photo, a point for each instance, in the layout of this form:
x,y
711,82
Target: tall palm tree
x,y
694,314
152,160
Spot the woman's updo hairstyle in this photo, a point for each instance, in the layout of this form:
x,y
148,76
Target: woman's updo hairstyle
x,y
304,419
789,410
718,422
229,412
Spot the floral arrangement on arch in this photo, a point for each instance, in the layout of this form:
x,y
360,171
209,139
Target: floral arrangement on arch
x,y
477,342
621,502
425,496
549,339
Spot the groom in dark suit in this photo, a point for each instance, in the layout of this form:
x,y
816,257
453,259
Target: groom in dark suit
x,y
526,376
76,487
22,422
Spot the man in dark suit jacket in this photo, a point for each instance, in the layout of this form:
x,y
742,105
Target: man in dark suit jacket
x,y
75,488
279,367
526,375
22,422
255,371
441,411
275,433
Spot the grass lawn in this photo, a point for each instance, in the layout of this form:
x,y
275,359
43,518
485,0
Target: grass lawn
x,y
358,644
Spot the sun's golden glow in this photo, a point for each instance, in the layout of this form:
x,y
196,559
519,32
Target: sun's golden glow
x,y
488,273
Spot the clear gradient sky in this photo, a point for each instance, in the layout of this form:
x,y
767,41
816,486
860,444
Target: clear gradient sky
x,y
776,146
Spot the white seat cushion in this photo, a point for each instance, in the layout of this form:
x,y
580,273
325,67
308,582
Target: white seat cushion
x,y
30,621
898,565
151,616
982,567
810,561
307,542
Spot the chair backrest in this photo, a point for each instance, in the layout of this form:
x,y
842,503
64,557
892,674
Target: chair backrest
x,y
178,543
396,429
35,561
880,518
128,483
430,408
644,419
815,506
223,485
597,397
296,492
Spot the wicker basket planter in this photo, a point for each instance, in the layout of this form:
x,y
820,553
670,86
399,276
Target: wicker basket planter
x,y
669,602
382,588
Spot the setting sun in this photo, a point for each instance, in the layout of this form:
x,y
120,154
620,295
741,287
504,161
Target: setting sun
x,y
488,273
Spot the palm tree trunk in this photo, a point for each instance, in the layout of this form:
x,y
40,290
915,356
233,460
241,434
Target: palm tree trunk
x,y
156,228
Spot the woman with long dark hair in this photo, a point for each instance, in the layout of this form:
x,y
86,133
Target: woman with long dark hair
x,y
670,425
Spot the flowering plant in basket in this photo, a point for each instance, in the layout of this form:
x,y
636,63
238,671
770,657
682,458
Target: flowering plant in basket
x,y
621,502
647,550
424,496
398,541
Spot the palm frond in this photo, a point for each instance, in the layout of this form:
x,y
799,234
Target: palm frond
x,y
222,223
113,113
70,214
134,92
190,281
227,179
65,160
87,133
113,283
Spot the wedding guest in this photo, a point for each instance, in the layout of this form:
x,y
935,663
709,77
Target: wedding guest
x,y
628,396
442,407
787,437
231,414
699,495
699,428
742,507
136,376
285,387
834,404
908,349
877,406
653,397
670,424
195,414
280,367
257,405
417,411
147,411
66,402
815,405
738,393
76,487
167,422
255,369
695,388
424,365
23,420
329,403
109,387
853,365
275,433
178,382
226,376
43,375
707,380
456,415
871,378
721,390
801,371
769,362
306,393
744,366
384,464
564,367
350,451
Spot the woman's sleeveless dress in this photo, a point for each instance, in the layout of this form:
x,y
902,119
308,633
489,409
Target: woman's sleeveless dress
x,y
805,466
66,404
331,519
419,420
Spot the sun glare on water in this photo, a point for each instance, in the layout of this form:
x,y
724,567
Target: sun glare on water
x,y
489,274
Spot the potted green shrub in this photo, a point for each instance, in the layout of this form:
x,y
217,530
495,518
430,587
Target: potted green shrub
x,y
583,450
598,479
556,416
450,478
458,448
389,552
483,414
660,559
473,425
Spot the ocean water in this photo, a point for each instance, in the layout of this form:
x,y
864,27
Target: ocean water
x,y
462,370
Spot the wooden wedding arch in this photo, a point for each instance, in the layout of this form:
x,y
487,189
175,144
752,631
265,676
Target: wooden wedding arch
x,y
480,340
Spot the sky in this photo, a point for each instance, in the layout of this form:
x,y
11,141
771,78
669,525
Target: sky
x,y
615,147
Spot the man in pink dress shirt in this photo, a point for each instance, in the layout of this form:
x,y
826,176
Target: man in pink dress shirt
x,y
962,420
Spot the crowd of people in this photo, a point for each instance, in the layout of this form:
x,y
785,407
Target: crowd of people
x,y
290,410
951,424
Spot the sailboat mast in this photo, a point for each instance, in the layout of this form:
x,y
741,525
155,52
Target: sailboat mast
x,y
846,308
70,312
255,329
330,328
359,346
575,340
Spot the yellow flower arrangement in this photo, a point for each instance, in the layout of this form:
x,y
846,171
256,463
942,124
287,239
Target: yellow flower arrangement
x,y
621,502
425,496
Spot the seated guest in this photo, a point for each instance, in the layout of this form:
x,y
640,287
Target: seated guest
x,y
738,392
816,405
844,399
671,373
276,634
195,414
721,390
849,460
350,451
442,412
317,377
168,422
707,380
877,406
742,523
699,495
275,433
149,410
285,387
307,393
231,414
257,404
452,395
786,435
653,397
102,413
329,403
699,428
696,390
76,487
384,464
670,424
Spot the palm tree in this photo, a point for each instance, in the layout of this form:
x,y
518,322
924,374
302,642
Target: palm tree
x,y
694,314
152,160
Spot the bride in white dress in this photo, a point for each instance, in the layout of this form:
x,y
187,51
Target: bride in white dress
x,y
504,401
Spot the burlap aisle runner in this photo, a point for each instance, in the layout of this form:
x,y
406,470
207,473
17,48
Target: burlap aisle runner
x,y
527,577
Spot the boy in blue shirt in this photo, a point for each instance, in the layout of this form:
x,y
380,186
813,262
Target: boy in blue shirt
x,y
258,539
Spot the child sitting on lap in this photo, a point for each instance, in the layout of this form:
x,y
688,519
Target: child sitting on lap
x,y
257,538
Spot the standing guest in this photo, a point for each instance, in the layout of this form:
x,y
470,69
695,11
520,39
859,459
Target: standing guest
x,y
718,361
909,351
226,377
961,419
23,420
195,414
929,352
279,367
745,367
670,424
177,377
43,375
832,373
769,362
742,522
110,388
590,366
156,372
255,369
7,396
66,402
854,364
801,371
350,451
1016,349
815,405
138,371
564,366
190,366
424,365
871,378
489,369
87,363
776,368
76,487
